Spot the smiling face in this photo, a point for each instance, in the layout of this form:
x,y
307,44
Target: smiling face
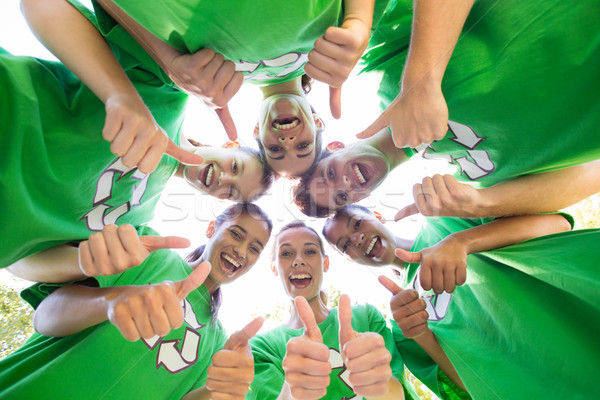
x,y
234,247
347,176
287,132
361,236
300,262
231,174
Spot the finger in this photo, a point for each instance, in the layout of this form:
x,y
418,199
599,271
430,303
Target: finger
x,y
438,279
227,121
172,306
407,256
183,156
319,74
194,280
379,124
406,212
132,243
112,126
335,101
421,200
346,332
239,340
153,156
116,250
99,254
389,284
85,259
122,142
311,329
440,187
153,243
461,273
156,313
425,277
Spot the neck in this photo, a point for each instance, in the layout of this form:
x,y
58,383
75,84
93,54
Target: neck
x,y
318,308
291,87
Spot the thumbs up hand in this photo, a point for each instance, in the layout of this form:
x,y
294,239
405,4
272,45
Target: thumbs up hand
x,y
117,249
232,368
149,310
364,354
306,362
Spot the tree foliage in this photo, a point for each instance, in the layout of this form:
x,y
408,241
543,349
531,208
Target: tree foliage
x,y
15,321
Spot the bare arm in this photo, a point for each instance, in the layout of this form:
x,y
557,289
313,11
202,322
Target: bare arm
x,y
430,344
54,265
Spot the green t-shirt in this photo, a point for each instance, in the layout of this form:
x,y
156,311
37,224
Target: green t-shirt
x,y
58,179
268,40
522,86
525,323
269,351
98,363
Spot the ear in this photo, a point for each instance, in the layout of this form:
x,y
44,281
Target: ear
x,y
326,264
211,229
379,217
256,130
318,123
334,146
274,270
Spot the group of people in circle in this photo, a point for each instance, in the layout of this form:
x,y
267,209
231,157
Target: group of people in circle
x,y
496,297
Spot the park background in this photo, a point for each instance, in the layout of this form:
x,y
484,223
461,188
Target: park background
x,y
184,212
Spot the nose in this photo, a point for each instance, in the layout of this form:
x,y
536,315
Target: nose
x,y
357,238
346,182
239,252
283,139
298,262
225,178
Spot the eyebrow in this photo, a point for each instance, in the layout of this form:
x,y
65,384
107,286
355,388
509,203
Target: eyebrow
x,y
275,158
240,228
259,242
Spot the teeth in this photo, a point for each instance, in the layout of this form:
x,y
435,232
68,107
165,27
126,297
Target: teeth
x,y
300,276
291,125
231,260
209,175
373,241
360,176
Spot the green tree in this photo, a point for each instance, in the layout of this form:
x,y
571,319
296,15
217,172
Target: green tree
x,y
15,321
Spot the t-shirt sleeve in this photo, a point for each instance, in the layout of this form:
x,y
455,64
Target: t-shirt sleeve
x,y
268,373
36,293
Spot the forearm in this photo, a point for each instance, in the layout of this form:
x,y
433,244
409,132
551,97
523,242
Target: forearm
x,y
395,391
55,265
435,31
162,53
544,192
430,344
507,231
359,9
71,309
79,45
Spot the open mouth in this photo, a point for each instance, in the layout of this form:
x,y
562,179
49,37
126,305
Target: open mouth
x,y
374,248
229,265
207,175
361,173
300,280
284,124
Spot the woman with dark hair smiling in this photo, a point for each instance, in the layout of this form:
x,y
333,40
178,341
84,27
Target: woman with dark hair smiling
x,y
514,312
83,325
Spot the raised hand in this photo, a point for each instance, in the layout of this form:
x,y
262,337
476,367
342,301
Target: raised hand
x,y
232,368
407,308
443,266
306,362
149,310
418,114
443,196
116,249
364,354
208,75
334,56
136,137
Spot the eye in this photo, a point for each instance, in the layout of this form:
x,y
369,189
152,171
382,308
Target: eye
x,y
357,224
330,173
303,145
342,197
232,193
310,252
234,167
255,249
274,149
345,246
236,235
285,254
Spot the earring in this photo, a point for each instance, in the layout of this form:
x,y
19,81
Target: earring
x,y
379,217
333,146
211,228
231,144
